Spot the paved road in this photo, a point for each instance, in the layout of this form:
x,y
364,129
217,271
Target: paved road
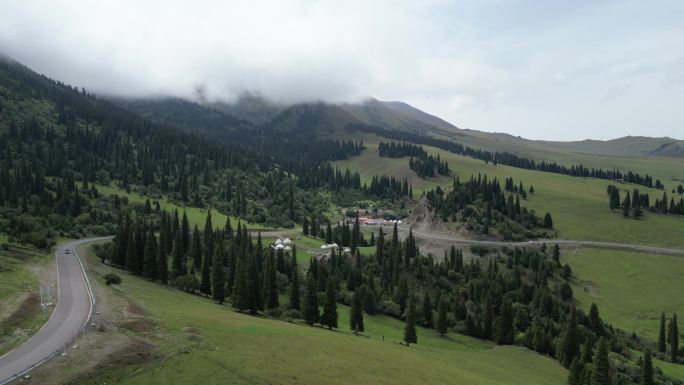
x,y
72,313
447,240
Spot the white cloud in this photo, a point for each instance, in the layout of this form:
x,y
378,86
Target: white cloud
x,y
556,70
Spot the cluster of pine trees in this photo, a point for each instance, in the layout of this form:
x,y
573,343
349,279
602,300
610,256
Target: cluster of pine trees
x,y
423,164
510,159
344,234
483,205
635,204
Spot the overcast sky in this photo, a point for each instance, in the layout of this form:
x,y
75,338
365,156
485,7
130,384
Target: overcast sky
x,y
539,69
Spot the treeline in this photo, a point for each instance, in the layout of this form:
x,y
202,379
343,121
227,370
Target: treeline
x,y
635,204
507,299
482,205
423,164
344,234
510,159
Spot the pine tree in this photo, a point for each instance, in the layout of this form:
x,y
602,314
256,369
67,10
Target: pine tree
x,y
184,235
662,343
570,340
505,333
272,300
575,372
240,297
196,248
294,286
673,338
218,273
162,265
205,279
329,316
442,316
556,253
150,259
548,221
356,313
310,305
601,373
208,236
427,310
256,301
410,335
595,323
647,369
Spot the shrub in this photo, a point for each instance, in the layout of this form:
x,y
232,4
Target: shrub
x,y
112,279
293,314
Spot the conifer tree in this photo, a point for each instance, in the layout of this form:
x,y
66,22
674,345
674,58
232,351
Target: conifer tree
x,y
196,248
548,221
310,305
205,278
595,323
131,254
505,333
662,343
256,301
329,316
208,237
570,340
272,300
647,369
601,373
240,297
556,253
575,372
410,335
442,316
184,235
427,310
356,313
294,286
673,338
162,265
150,260
218,273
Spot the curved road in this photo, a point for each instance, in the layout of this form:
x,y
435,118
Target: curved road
x,y
70,316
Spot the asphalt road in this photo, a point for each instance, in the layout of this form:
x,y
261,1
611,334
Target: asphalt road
x,y
71,314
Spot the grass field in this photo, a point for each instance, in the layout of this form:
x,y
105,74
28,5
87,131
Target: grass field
x,y
630,289
196,216
19,299
229,348
579,206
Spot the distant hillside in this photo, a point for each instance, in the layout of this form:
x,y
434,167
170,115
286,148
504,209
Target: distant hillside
x,y
399,116
312,119
672,150
251,108
625,146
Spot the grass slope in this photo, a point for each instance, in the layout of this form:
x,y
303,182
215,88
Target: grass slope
x,y
630,289
236,348
579,205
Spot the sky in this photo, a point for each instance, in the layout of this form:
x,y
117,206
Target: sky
x,y
556,70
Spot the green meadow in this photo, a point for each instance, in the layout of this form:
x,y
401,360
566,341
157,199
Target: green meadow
x,y
228,347
630,289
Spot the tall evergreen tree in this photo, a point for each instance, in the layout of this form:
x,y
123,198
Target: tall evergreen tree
x,y
294,286
570,340
427,310
504,332
239,293
256,299
442,315
208,236
272,300
329,316
410,335
356,313
662,343
196,248
595,323
310,305
673,338
218,273
150,259
575,372
162,265
601,373
205,278
647,369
